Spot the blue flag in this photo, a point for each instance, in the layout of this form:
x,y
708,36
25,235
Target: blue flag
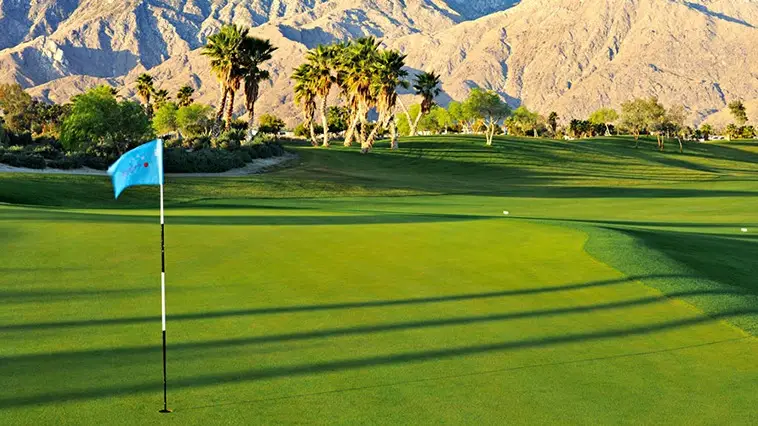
x,y
141,166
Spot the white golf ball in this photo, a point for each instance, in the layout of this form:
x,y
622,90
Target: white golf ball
x,y
506,212
744,229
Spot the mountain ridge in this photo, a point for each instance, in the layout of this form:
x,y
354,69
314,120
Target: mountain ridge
x,y
571,56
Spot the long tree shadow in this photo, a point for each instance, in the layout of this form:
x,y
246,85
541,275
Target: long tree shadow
x,y
315,368
334,306
91,357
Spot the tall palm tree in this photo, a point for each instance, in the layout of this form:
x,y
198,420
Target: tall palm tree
x,y
184,95
224,50
427,85
305,96
255,51
388,74
358,78
161,97
145,90
321,61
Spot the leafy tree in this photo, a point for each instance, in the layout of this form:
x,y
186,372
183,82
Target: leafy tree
x,y
14,103
337,119
427,85
606,117
487,106
225,50
356,69
269,123
161,97
523,121
675,118
194,120
640,115
98,121
748,132
706,130
388,74
737,108
552,121
305,96
732,131
184,95
322,62
255,51
656,120
145,90
580,128
164,120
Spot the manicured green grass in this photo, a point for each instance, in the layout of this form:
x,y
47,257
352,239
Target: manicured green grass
x,y
391,288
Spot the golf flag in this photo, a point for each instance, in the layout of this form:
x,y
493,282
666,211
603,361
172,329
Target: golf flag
x,y
144,166
141,166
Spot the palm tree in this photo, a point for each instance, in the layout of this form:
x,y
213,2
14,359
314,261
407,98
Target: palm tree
x,y
184,95
161,97
224,49
305,96
388,74
255,51
321,61
358,79
145,90
426,85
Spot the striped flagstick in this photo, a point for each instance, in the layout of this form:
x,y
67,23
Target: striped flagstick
x,y
163,306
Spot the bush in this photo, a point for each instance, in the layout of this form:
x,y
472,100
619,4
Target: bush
x,y
97,163
197,143
23,159
20,139
243,155
230,139
67,162
201,161
48,152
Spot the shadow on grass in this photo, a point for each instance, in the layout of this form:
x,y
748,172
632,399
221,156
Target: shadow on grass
x,y
91,357
332,306
331,367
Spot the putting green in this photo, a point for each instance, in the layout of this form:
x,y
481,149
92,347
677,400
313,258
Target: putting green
x,y
390,288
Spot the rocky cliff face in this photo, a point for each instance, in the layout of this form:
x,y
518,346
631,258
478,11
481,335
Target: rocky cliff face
x,y
570,56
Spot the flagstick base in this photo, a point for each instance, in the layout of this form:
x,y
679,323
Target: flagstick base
x,y
165,410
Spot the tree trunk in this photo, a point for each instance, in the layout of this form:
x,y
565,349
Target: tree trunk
x,y
607,130
364,127
314,142
221,109
636,139
535,132
411,127
324,122
230,110
393,133
351,129
414,126
681,146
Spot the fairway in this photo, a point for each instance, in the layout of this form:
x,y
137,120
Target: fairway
x,y
390,288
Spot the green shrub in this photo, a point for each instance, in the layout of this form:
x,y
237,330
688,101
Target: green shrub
x,y
230,139
197,143
243,155
23,159
201,161
67,162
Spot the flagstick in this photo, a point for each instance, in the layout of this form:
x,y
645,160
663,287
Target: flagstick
x,y
163,306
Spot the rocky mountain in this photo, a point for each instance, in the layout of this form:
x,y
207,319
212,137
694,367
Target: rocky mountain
x,y
571,56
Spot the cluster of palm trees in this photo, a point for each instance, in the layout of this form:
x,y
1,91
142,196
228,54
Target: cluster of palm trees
x,y
154,99
367,77
236,58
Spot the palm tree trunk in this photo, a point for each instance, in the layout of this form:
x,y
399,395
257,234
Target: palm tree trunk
x,y
681,147
393,133
230,110
314,142
324,122
414,126
351,130
363,113
222,104
411,129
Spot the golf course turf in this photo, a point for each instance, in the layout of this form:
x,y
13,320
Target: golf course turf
x,y
390,288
